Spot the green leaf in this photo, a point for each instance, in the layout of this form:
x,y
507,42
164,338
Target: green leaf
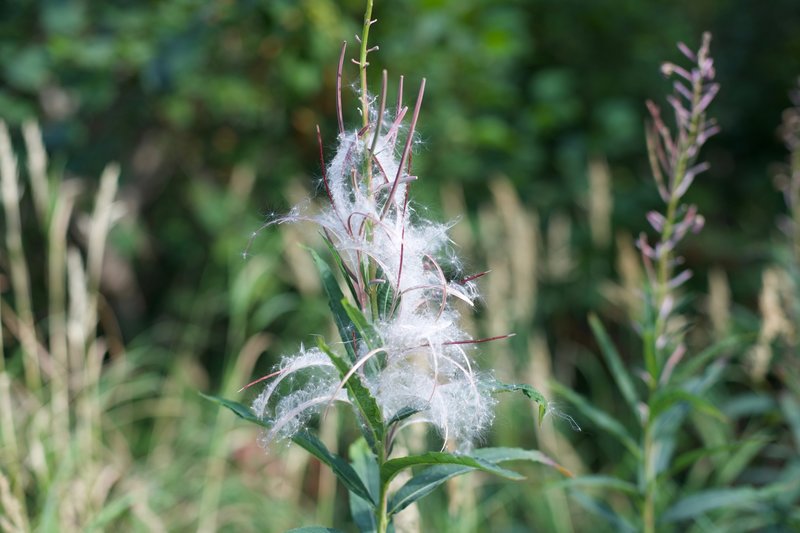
x,y
599,418
432,477
340,467
695,363
527,390
110,512
732,466
365,464
618,522
601,482
791,410
386,295
687,459
502,455
314,529
650,352
615,364
366,332
307,441
365,329
343,323
423,484
666,398
369,411
394,466
404,413
337,258
242,411
702,502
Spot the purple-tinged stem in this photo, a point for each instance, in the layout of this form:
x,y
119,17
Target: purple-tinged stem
x,y
381,110
473,277
339,115
480,341
400,95
406,149
362,62
325,174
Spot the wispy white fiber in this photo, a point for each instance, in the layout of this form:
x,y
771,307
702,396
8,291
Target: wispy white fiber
x,y
426,362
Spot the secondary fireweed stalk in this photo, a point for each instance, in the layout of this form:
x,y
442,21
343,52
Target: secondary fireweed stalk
x,y
673,159
403,357
673,383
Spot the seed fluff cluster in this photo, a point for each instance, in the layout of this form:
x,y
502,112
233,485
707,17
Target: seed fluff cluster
x,y
392,260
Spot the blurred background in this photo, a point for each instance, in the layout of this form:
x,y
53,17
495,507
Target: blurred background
x,y
532,138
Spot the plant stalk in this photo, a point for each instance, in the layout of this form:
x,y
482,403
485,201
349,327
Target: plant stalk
x,y
381,511
362,63
665,261
664,274
649,506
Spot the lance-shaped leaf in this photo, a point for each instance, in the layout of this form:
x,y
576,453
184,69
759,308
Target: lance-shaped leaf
x,y
527,390
614,361
314,529
502,455
240,410
386,296
427,480
346,274
365,330
692,365
404,413
394,466
366,406
371,337
423,484
618,522
599,418
365,464
691,507
346,329
601,482
666,398
307,441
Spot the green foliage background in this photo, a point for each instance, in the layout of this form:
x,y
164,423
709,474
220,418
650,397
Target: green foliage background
x,y
210,107
181,92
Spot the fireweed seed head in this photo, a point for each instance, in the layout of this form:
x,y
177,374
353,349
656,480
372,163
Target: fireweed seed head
x,y
425,358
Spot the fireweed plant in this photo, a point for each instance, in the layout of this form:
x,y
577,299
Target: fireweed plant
x,y
403,358
673,384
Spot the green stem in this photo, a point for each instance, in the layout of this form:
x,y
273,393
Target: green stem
x,y
649,509
681,166
372,269
381,514
381,510
362,63
664,274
